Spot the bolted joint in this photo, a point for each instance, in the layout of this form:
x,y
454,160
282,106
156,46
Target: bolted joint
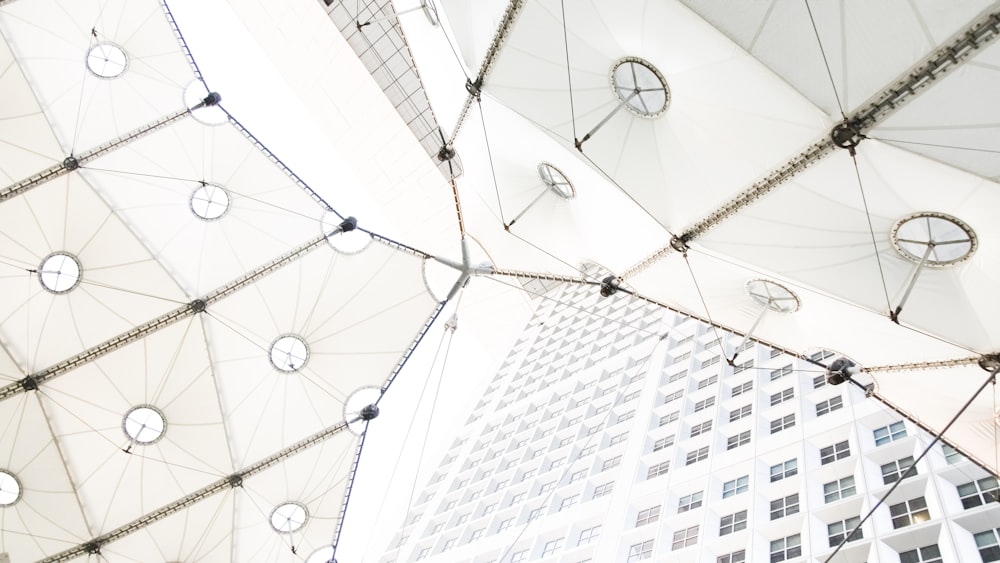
x,y
70,163
609,286
198,305
990,362
846,136
369,412
29,384
92,548
679,243
235,480
446,153
212,99
348,225
840,370
474,88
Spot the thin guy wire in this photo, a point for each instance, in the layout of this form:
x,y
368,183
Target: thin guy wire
x,y
569,74
704,304
826,63
910,470
871,230
489,154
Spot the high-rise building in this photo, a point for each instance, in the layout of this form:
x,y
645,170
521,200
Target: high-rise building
x,y
618,431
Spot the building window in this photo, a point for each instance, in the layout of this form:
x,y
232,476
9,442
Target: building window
x,y
742,412
626,415
733,523
689,502
449,544
781,372
713,343
618,439
535,514
677,376
741,439
697,455
603,409
785,506
829,405
775,353
894,470
988,544
588,535
682,357
613,462
821,355
437,528
979,492
741,389
462,519
887,434
684,538
557,462
836,490
476,534
837,531
739,368
707,381
951,455
577,475
668,418
711,361
605,489
782,423
736,486
734,557
647,516
551,547
926,554
663,443
702,405
587,451
699,429
476,494
423,553
785,469
516,498
913,511
786,548
631,396
489,508
640,551
500,485
568,502
519,556
782,396
658,469
830,454
450,505
819,381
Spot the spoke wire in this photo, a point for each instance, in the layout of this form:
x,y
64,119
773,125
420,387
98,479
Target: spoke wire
x,y
935,145
704,304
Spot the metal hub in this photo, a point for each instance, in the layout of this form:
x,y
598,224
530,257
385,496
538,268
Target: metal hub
x,y
934,239
640,86
773,296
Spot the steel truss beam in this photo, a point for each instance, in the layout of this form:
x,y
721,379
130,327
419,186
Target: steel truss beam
x,y
981,32
475,87
31,382
229,482
73,162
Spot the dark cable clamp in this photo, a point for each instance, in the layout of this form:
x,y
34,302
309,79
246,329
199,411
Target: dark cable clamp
x,y
846,136
609,286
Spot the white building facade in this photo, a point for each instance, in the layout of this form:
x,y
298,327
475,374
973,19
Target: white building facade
x,y
617,431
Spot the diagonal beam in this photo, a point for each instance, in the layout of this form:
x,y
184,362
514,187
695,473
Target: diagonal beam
x,y
72,162
31,382
475,87
229,482
981,32
236,479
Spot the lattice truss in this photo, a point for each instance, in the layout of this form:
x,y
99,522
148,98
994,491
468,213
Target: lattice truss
x,y
191,334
